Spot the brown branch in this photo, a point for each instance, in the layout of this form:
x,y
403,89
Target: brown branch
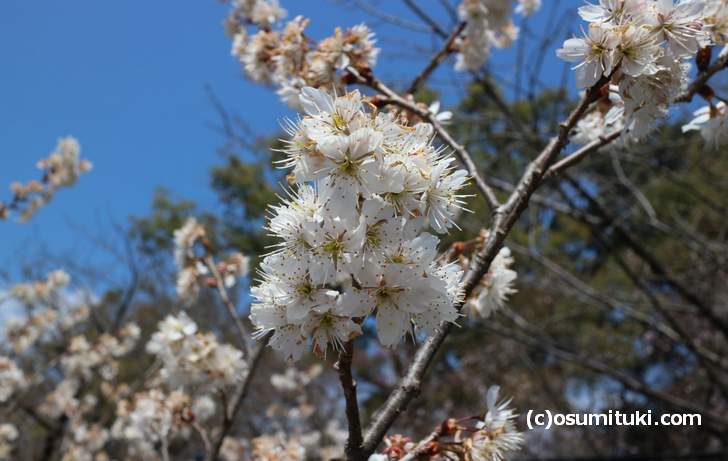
x,y
436,60
229,305
348,384
505,217
231,411
703,77
674,334
580,154
426,18
651,260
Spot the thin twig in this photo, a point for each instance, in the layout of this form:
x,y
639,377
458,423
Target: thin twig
x,y
533,339
423,445
436,60
204,436
231,411
581,154
426,18
225,298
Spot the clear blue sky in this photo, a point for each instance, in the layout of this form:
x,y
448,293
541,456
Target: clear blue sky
x,y
127,78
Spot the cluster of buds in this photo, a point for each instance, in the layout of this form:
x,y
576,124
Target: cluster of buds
x,y
61,168
191,358
83,357
485,437
151,418
288,58
195,267
12,379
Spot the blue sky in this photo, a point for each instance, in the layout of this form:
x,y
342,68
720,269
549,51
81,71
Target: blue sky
x,y
128,80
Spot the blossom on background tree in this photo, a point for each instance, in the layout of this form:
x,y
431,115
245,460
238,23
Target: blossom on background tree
x,y
193,359
712,123
195,265
61,168
488,24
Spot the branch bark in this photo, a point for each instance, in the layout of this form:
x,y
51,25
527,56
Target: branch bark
x,y
238,397
505,217
230,306
436,60
348,384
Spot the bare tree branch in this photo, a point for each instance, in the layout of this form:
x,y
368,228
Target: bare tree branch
x,y
702,78
238,397
230,306
581,154
426,18
436,60
348,384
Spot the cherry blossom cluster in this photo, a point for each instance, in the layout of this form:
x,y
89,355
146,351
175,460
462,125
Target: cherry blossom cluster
x,y
712,123
81,363
83,356
8,435
86,442
12,378
642,49
191,358
191,254
46,316
607,116
61,168
487,437
289,59
352,233
152,418
495,287
488,24
290,447
295,431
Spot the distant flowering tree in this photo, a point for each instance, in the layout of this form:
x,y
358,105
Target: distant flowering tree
x,y
61,169
375,180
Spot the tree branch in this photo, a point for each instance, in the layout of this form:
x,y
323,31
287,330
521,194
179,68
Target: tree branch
x,y
230,306
436,60
426,18
703,77
532,339
238,397
505,217
580,154
348,384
